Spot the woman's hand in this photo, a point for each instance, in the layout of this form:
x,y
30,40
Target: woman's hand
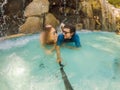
x,y
59,60
48,51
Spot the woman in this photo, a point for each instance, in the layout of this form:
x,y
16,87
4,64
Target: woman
x,y
48,37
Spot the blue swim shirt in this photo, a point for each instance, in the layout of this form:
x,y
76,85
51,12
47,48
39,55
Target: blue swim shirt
x,y
75,39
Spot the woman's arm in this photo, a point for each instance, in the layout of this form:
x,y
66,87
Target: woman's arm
x,y
58,54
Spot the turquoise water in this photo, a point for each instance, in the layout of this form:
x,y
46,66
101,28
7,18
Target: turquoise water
x,y
24,65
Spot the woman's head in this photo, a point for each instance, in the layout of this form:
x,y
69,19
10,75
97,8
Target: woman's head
x,y
50,35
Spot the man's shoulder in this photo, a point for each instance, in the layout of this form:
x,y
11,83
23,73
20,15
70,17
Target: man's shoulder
x,y
60,36
75,35
60,39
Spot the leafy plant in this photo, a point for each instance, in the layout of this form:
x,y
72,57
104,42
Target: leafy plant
x,y
116,3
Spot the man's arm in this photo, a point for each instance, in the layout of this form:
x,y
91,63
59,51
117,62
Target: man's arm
x,y
77,41
72,47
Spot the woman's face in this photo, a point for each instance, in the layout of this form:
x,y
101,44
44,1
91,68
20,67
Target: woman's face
x,y
53,35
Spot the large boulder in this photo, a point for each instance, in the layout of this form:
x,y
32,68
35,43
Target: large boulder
x,y
36,8
51,19
35,24
32,25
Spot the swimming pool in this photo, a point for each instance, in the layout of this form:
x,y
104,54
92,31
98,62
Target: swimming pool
x,y
95,66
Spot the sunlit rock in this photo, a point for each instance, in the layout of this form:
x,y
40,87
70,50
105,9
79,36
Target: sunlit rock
x,y
96,5
35,24
35,12
86,8
31,25
36,8
51,19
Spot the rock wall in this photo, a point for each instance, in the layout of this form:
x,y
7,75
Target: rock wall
x,y
90,14
35,13
85,14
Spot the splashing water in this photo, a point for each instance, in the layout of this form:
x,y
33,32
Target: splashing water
x,y
95,66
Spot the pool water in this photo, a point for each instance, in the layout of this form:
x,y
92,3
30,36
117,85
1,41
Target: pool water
x,y
24,65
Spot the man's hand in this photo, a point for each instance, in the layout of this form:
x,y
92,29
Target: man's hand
x,y
62,25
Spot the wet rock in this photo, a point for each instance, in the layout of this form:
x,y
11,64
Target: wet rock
x,y
12,7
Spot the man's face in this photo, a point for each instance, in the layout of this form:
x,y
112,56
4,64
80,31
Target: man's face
x,y
67,34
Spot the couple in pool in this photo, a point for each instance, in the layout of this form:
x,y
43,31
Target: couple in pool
x,y
49,36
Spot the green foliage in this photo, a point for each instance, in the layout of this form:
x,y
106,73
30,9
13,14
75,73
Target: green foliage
x,y
116,3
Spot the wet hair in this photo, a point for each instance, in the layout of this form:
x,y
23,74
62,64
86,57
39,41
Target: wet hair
x,y
71,27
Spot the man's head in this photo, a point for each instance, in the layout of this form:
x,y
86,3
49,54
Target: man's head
x,y
68,31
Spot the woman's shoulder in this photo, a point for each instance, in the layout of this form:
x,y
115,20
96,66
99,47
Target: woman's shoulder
x,y
42,34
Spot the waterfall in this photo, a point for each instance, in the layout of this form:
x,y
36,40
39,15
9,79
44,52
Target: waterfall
x,y
2,10
2,18
64,3
1,7
77,11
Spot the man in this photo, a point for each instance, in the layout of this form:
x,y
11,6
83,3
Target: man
x,y
68,35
